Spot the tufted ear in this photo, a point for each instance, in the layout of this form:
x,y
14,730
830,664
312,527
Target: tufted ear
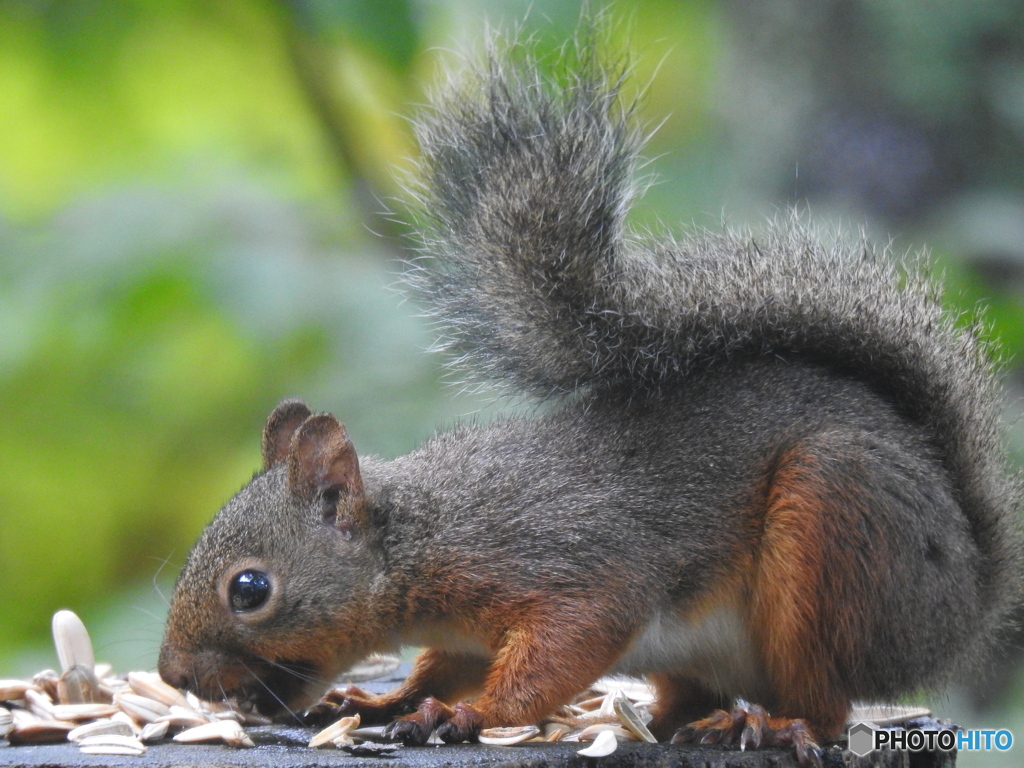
x,y
281,425
322,463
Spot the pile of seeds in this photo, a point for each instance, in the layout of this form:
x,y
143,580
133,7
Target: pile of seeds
x,y
104,713
612,711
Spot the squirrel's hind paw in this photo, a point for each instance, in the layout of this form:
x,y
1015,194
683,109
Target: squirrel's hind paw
x,y
750,725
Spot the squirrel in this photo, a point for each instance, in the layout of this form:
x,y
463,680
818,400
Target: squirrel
x,y
769,467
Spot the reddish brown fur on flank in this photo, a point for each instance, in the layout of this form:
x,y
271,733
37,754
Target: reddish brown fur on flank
x,y
804,599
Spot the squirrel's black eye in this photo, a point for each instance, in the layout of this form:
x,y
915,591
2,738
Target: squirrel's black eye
x,y
248,590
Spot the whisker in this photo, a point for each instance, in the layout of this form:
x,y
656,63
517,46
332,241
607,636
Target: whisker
x,y
156,586
224,694
306,678
147,612
277,698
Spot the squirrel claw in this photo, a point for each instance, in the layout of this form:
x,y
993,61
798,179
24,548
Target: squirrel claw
x,y
415,729
407,730
750,726
463,725
344,702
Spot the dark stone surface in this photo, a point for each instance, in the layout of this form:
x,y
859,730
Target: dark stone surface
x,y
284,747
171,755
280,746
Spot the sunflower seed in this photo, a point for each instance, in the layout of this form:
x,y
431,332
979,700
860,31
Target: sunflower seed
x,y
230,714
373,666
594,732
141,709
39,704
607,708
368,732
634,690
632,721
508,736
121,717
72,641
555,733
38,732
111,744
603,745
154,731
335,731
886,714
104,727
227,731
6,721
589,705
150,685
13,690
182,717
79,712
46,681
79,685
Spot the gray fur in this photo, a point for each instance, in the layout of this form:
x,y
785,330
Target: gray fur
x,y
535,281
687,378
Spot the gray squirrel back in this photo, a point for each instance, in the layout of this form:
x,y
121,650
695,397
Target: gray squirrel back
x,y
534,280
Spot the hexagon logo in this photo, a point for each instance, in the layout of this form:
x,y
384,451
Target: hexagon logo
x,y
862,738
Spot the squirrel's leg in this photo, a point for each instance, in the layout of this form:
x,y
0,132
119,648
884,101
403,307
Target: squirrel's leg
x,y
435,673
680,699
822,572
540,665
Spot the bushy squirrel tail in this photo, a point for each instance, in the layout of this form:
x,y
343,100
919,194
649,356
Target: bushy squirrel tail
x,y
524,184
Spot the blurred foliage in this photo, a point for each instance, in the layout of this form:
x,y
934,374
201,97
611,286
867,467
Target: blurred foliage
x,y
195,222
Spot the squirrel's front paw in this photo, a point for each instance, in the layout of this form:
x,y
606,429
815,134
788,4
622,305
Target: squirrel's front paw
x,y
415,729
749,725
346,702
463,725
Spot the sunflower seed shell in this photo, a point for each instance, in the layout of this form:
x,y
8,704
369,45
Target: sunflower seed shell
x,y
104,727
594,732
154,732
6,721
227,731
508,736
79,712
180,717
13,690
111,744
72,642
38,732
372,667
335,731
153,687
603,745
39,704
631,719
139,708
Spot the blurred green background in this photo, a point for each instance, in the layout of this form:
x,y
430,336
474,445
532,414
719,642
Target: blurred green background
x,y
194,223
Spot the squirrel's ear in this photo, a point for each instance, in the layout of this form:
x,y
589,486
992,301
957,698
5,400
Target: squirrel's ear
x,y
322,461
281,425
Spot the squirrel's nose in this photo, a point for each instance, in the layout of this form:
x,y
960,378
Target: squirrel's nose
x,y
172,671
